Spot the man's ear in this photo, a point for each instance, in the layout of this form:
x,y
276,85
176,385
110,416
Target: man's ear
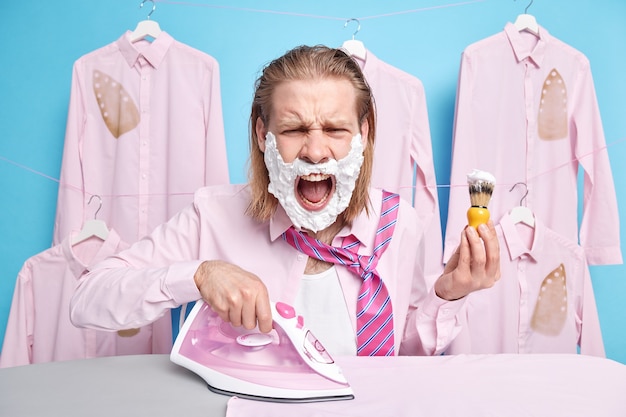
x,y
260,133
365,129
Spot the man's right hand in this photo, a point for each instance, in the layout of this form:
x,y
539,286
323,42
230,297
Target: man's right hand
x,y
236,295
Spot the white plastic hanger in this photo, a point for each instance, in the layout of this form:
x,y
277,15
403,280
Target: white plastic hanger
x,y
146,28
352,46
521,213
92,228
527,22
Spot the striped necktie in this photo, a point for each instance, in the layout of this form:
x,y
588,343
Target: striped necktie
x,y
374,311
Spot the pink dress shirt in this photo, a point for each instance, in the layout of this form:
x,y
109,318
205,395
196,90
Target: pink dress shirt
x,y
39,328
403,157
144,131
529,310
156,273
527,112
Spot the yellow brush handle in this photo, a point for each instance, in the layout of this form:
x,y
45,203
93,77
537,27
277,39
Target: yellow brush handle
x,y
477,215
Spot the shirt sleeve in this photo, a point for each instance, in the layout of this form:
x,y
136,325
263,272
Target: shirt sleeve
x,y
462,160
589,323
426,201
437,324
431,322
216,159
599,229
17,348
142,283
70,199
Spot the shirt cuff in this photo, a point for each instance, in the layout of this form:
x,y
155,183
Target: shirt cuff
x,y
604,256
180,284
437,307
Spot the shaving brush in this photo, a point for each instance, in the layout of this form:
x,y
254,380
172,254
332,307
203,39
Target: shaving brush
x,y
481,185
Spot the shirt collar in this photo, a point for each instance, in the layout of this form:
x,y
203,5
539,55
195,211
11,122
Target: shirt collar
x,y
108,248
279,223
513,241
369,64
361,227
521,47
153,52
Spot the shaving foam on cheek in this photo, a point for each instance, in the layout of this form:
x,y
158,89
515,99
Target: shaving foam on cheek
x,y
283,178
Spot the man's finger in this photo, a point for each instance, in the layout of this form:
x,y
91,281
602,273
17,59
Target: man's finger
x,y
264,313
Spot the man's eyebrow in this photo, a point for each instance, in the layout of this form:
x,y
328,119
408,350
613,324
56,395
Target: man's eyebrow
x,y
294,121
293,124
290,118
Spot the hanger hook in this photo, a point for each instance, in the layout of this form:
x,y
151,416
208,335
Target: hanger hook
x,y
357,28
527,7
95,215
525,194
151,11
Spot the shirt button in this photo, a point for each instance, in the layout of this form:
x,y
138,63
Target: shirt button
x,y
301,257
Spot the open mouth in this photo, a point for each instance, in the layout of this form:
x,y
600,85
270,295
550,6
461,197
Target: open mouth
x,y
314,190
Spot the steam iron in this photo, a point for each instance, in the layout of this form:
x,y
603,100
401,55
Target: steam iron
x,y
288,364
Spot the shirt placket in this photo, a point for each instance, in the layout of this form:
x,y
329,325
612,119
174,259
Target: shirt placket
x,y
297,271
145,71
531,126
524,315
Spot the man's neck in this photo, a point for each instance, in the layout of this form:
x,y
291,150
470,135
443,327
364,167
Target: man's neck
x,y
327,235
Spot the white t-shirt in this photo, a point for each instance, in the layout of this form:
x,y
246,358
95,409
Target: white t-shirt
x,y
321,303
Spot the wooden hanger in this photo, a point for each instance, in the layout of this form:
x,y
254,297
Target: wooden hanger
x,y
521,213
146,28
92,228
527,22
352,46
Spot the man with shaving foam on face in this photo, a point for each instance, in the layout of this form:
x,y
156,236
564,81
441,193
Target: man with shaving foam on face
x,y
306,230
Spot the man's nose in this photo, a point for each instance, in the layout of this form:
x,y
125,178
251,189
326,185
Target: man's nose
x,y
315,149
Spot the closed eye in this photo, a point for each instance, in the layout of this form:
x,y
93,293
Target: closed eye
x,y
336,132
332,132
297,131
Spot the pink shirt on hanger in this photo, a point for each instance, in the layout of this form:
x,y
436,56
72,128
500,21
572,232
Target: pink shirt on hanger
x,y
39,328
144,131
527,112
543,303
216,227
403,157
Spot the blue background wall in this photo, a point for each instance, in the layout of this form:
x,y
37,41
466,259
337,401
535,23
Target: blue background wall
x,y
42,39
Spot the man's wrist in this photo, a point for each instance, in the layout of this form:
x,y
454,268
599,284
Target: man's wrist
x,y
201,273
442,289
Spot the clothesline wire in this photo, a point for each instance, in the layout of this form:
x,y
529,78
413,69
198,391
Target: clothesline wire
x,y
247,9
533,178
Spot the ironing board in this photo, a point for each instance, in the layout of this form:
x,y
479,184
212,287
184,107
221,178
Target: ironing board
x,y
464,385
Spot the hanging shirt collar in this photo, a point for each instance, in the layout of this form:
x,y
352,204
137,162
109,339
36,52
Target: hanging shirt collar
x,y
514,243
153,52
108,248
521,47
